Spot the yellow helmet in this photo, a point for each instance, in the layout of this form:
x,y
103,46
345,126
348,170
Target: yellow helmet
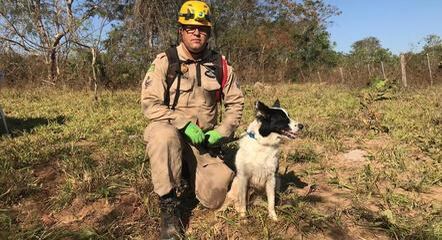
x,y
195,13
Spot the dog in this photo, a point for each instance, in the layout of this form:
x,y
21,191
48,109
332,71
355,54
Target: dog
x,y
256,161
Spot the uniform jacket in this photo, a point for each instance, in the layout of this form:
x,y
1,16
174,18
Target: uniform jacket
x,y
196,104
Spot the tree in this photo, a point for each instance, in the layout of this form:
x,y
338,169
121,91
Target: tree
x,y
369,50
433,46
280,36
44,27
157,19
432,43
92,38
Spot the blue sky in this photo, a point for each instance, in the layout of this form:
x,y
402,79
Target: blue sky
x,y
400,25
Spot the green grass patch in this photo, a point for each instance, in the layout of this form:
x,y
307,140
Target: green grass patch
x,y
65,146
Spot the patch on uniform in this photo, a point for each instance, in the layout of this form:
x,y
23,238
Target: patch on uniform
x,y
151,68
210,73
185,75
184,68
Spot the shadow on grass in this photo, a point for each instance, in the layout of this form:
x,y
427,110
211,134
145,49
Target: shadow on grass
x,y
313,199
290,179
335,231
389,224
18,126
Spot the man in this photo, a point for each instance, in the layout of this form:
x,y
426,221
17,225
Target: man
x,y
183,119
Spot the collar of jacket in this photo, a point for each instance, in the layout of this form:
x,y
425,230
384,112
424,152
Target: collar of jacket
x,y
185,55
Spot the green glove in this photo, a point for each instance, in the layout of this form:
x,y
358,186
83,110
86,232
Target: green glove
x,y
214,137
194,133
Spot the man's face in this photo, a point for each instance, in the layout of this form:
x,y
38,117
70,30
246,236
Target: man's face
x,y
195,37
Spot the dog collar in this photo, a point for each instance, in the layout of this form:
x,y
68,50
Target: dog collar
x,y
251,135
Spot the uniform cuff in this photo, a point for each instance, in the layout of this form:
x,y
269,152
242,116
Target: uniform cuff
x,y
224,131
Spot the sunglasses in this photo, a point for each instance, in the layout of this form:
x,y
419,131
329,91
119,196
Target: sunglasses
x,y
192,29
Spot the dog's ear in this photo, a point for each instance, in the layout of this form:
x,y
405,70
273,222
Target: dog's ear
x,y
276,104
261,109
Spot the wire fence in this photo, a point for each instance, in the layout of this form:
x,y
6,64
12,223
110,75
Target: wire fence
x,y
413,71
416,70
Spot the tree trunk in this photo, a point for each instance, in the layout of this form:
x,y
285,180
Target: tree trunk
x,y
54,70
53,65
94,72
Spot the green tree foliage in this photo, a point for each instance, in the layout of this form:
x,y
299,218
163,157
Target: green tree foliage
x,y
274,36
263,37
126,55
113,42
145,29
432,43
368,51
433,47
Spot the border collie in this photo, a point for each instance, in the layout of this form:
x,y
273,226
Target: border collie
x,y
256,161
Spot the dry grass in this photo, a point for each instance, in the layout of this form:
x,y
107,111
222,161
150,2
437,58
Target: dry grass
x,y
75,169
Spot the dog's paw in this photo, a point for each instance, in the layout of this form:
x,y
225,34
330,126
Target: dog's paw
x,y
243,219
238,207
273,216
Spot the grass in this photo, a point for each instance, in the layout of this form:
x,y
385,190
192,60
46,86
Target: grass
x,y
75,169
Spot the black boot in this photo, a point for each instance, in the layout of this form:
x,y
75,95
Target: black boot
x,y
171,227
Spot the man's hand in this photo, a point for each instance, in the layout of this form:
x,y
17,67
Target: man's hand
x,y
194,133
213,137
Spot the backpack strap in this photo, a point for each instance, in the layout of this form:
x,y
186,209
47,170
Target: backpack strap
x,y
173,70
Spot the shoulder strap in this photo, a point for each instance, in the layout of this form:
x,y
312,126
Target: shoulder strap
x,y
221,76
216,59
225,72
173,70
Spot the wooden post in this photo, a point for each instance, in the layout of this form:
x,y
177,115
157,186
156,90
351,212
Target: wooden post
x,y
403,70
350,79
341,71
383,70
2,76
429,70
285,70
319,76
369,70
303,77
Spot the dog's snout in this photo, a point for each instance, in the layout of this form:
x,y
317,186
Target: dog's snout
x,y
300,126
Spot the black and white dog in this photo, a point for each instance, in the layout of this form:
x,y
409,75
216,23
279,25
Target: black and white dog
x,y
256,161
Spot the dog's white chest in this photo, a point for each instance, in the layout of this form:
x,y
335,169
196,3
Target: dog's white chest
x,y
256,161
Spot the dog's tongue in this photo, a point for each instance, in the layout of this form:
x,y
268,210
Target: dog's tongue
x,y
289,134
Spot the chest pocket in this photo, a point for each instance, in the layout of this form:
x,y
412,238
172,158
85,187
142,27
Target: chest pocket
x,y
210,86
185,89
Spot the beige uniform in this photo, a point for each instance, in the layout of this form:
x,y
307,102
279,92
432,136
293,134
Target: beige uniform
x,y
166,145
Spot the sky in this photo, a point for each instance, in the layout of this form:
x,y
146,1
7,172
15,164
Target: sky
x,y
400,25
